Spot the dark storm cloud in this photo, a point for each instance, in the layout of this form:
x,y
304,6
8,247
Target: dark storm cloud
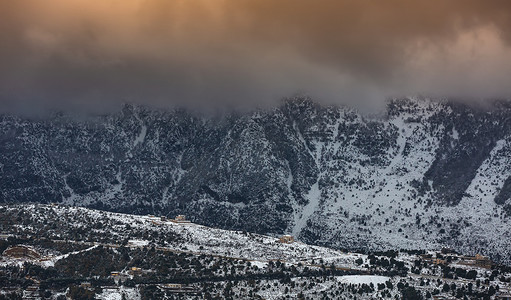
x,y
78,54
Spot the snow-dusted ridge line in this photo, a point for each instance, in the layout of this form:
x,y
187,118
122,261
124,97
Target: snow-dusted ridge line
x,y
198,239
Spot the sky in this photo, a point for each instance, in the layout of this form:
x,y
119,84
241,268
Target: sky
x,y
95,55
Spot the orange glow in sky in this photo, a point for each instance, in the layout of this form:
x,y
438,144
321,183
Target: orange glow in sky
x,y
252,51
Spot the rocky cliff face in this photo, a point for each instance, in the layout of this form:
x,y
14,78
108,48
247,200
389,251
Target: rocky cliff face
x,y
421,174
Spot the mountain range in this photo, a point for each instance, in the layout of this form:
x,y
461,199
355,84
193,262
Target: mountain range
x,y
421,174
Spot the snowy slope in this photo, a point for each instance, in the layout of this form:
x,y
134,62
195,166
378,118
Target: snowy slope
x,y
180,237
243,265
422,174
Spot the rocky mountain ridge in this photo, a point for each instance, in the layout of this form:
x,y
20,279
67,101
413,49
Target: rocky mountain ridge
x,y
422,174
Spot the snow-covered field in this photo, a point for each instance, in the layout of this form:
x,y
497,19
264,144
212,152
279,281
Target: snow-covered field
x,y
118,293
360,279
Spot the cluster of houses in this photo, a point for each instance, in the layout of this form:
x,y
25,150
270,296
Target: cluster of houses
x,y
180,219
477,260
121,276
287,239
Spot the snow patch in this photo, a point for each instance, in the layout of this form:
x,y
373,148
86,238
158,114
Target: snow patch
x,y
141,136
301,219
360,279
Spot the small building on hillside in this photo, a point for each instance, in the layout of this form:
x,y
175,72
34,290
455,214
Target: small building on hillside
x,y
135,271
483,261
180,219
286,239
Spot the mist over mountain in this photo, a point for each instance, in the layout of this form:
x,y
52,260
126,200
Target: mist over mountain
x,y
91,56
422,174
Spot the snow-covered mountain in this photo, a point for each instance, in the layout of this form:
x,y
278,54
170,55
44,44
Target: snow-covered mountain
x,y
422,174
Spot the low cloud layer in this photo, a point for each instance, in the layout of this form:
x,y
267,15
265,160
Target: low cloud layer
x,y
94,55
